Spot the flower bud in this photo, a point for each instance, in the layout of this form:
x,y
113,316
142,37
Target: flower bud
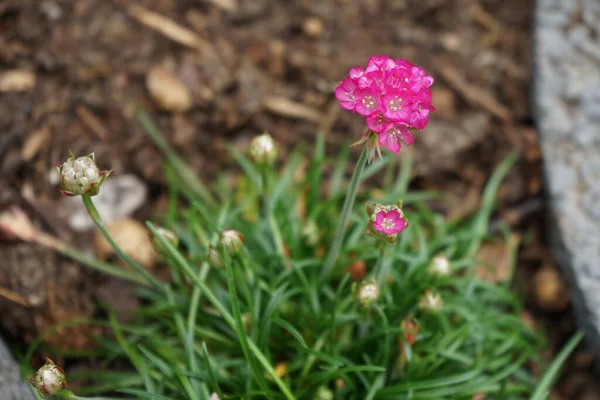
x,y
80,176
215,259
367,293
49,380
439,266
431,302
232,240
169,235
386,221
263,151
214,396
324,393
311,233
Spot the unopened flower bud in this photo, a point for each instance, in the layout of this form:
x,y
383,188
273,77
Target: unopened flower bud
x,y
215,259
367,293
232,240
49,380
310,232
263,151
431,302
386,221
324,393
169,235
80,176
439,266
214,396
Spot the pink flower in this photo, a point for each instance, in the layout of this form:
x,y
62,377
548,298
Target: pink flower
x,y
389,222
392,95
392,137
345,93
386,221
367,102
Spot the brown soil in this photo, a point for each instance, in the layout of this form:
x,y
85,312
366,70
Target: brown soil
x,y
250,66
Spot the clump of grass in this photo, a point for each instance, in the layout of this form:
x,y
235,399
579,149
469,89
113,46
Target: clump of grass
x,y
269,323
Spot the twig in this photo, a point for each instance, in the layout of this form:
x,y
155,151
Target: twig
x,y
474,94
92,122
289,108
169,28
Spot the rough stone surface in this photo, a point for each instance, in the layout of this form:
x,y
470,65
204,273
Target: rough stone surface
x,y
11,386
567,99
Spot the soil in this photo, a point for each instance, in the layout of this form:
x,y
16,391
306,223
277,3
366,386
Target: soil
x,y
248,66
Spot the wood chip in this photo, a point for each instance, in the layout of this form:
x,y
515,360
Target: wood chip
x,y
475,95
168,28
496,260
92,122
34,142
167,90
17,80
289,108
227,5
14,297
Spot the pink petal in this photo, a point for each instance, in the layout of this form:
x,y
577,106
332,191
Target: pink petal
x,y
406,136
394,144
383,138
393,214
381,63
380,217
399,225
367,102
356,72
378,123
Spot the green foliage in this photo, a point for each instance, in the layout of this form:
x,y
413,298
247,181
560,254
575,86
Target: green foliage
x,y
268,325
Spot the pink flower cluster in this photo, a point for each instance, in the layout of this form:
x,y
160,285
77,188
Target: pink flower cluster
x,y
393,96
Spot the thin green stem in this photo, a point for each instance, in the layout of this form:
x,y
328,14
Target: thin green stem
x,y
93,212
381,267
268,207
336,245
210,296
98,265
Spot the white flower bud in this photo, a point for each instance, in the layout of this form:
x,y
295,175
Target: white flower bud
x,y
49,380
263,150
431,302
232,240
169,235
367,293
81,176
439,266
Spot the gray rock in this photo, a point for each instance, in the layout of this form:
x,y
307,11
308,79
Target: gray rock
x,y
567,103
11,386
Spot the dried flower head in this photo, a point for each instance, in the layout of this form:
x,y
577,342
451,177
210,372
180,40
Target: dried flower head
x,y
386,221
49,380
431,302
439,266
262,150
232,240
80,176
367,292
392,95
169,235
311,233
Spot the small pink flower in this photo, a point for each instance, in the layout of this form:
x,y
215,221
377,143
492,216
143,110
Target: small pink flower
x,y
392,137
356,72
378,123
345,93
380,63
389,222
386,221
367,102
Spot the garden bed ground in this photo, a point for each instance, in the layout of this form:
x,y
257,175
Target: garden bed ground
x,y
250,66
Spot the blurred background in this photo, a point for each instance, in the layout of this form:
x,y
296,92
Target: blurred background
x,y
210,72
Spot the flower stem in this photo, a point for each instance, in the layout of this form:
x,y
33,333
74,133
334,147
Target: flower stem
x,y
93,212
268,207
336,245
381,268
